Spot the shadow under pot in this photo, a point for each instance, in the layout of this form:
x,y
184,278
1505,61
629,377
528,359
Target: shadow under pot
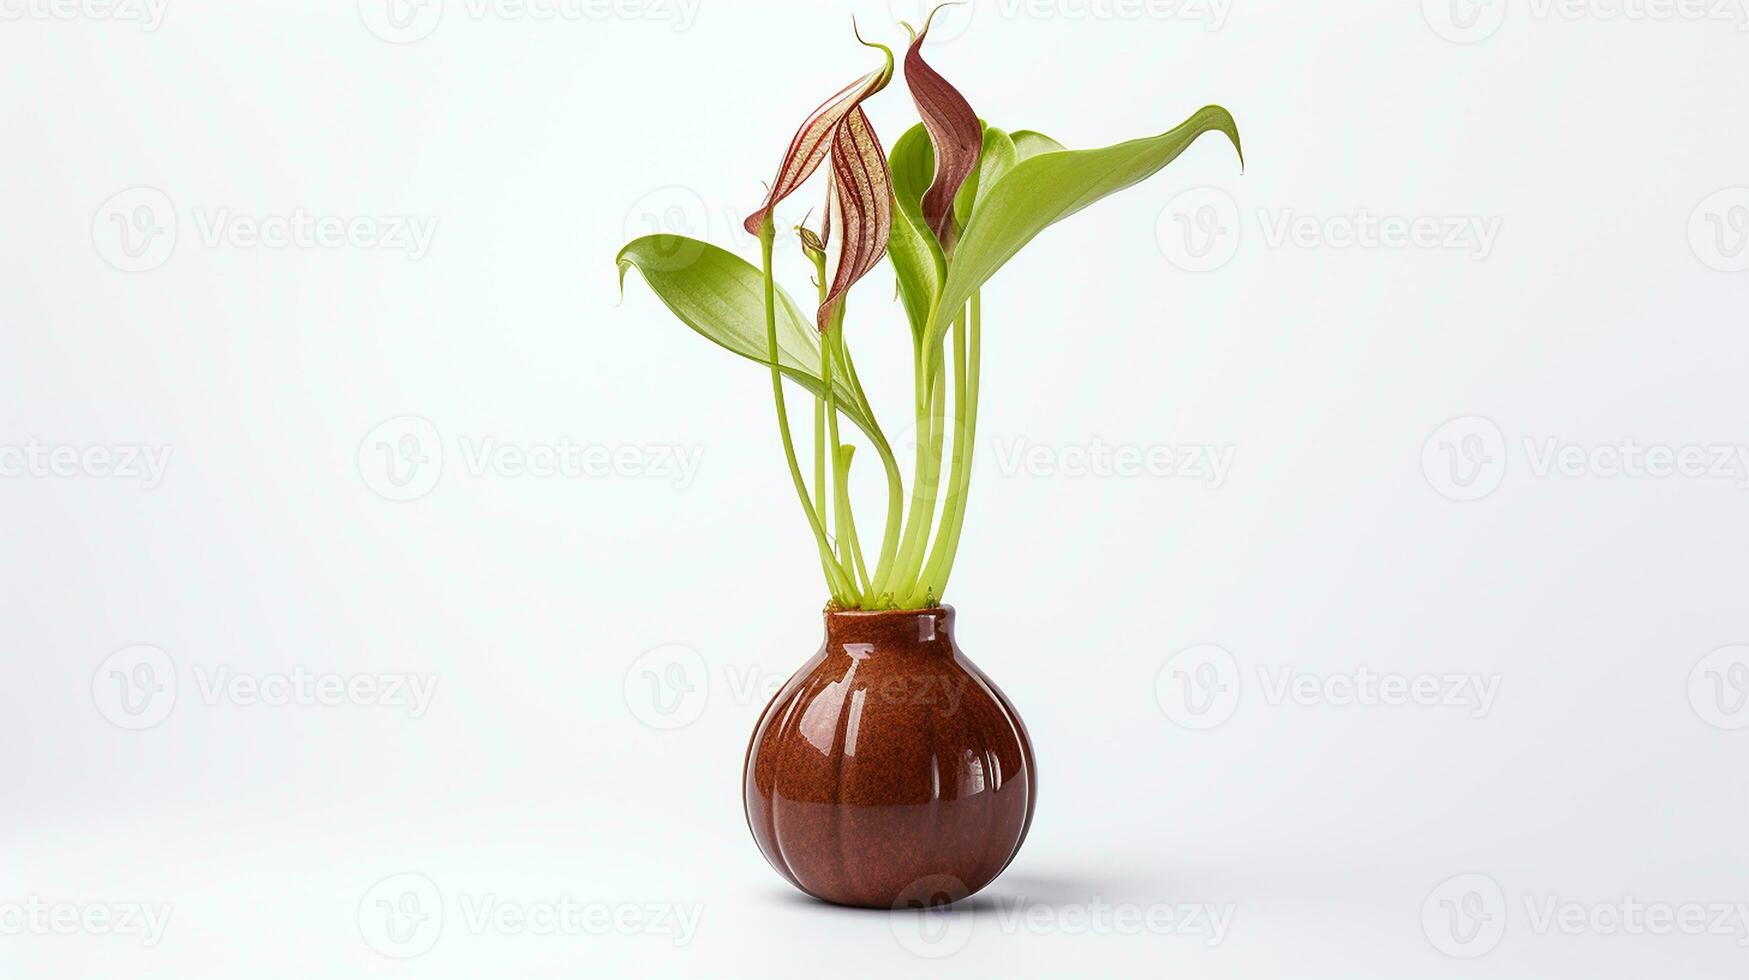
x,y
889,771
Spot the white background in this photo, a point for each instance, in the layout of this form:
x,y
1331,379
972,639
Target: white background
x,y
1609,766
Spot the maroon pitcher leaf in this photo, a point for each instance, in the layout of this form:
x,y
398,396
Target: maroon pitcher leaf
x,y
953,130
814,140
860,208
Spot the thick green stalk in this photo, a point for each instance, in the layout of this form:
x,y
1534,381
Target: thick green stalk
x,y
894,582
847,526
836,580
895,486
931,427
820,459
953,521
841,495
819,261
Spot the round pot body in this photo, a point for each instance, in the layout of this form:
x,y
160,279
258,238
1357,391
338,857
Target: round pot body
x,y
889,770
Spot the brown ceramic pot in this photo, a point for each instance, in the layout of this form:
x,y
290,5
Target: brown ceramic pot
x,y
889,767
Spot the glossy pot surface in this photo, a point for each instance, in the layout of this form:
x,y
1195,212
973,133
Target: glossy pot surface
x,y
889,770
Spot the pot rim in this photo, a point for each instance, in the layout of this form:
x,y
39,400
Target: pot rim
x,y
832,613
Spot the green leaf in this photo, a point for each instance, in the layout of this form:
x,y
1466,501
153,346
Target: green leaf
x,y
1047,187
996,159
917,260
722,297
1028,143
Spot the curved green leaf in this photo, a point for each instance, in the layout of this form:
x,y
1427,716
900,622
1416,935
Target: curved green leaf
x,y
918,264
1045,188
996,159
722,297
1028,143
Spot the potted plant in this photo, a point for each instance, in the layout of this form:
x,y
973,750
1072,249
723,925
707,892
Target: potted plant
x,y
890,769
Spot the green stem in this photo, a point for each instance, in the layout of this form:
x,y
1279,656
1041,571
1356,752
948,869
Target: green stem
x,y
820,459
931,427
953,522
847,526
836,581
893,582
895,486
841,493
819,262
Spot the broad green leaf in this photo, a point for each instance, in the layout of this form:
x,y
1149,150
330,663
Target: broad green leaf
x,y
1028,143
996,159
722,297
1048,187
917,261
